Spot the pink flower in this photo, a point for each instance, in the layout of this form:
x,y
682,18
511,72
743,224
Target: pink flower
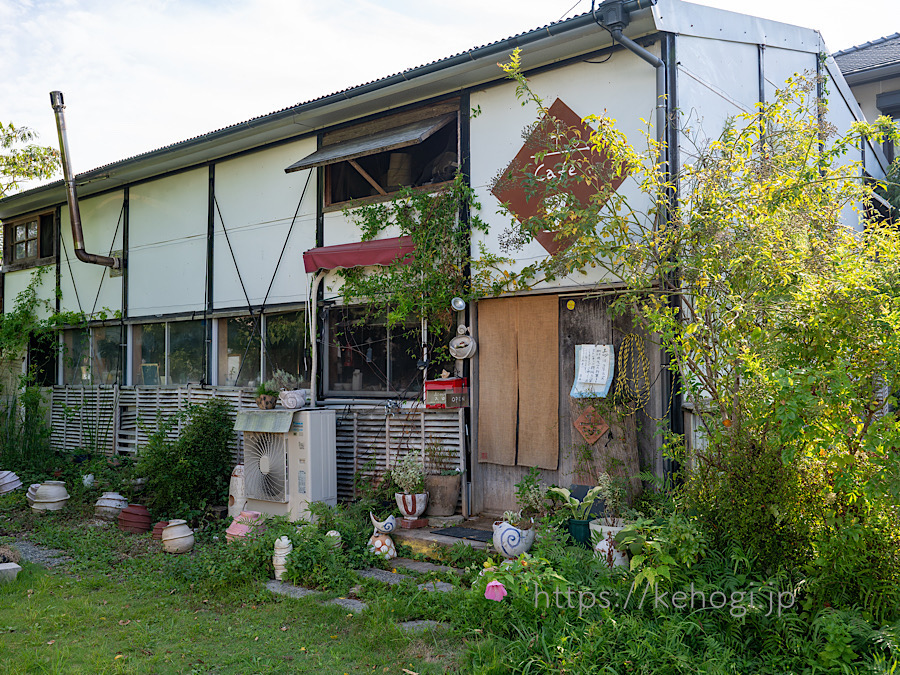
x,y
495,591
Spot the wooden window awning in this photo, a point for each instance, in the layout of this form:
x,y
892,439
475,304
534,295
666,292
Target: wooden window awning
x,y
383,141
359,254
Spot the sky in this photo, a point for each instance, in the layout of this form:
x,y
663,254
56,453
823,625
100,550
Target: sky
x,y
141,74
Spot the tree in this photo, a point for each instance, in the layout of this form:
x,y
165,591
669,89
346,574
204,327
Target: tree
x,y
781,323
21,160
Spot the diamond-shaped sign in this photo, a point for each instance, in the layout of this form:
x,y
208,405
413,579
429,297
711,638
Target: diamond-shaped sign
x,y
587,168
591,425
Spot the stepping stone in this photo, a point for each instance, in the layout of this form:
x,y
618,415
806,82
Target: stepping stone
x,y
421,625
439,586
383,576
9,571
349,604
423,567
282,588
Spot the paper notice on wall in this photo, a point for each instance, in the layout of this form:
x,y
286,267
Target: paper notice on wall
x,y
594,366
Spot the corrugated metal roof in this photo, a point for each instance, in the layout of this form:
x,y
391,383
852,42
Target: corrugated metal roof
x,y
884,51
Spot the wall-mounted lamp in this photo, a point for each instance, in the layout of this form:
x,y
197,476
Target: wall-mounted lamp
x,y
458,304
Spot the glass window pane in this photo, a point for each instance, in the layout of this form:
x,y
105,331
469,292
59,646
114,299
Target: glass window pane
x,y
357,352
286,347
20,251
238,352
76,357
406,350
107,361
149,353
187,345
31,249
32,229
20,233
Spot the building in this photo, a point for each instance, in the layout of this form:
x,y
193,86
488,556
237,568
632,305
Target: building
x,y
215,295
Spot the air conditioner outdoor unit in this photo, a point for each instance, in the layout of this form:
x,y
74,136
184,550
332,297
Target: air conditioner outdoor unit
x,y
290,460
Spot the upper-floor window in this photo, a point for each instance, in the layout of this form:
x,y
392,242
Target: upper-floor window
x,y
29,241
369,161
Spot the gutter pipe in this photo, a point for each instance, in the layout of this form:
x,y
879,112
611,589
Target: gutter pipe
x,y
56,100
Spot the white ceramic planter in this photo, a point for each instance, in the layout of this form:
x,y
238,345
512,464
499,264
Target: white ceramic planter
x,y
237,498
109,506
293,398
606,547
510,541
29,494
283,548
9,482
411,506
50,496
177,537
337,541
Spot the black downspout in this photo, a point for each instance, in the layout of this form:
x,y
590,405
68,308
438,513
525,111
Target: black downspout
x,y
56,100
210,268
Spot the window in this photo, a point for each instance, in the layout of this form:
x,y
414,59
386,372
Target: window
x,y
29,241
42,352
369,161
77,357
169,353
239,352
286,345
93,355
888,103
367,357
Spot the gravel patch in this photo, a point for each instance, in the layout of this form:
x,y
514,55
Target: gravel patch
x,y
349,604
40,555
421,625
284,588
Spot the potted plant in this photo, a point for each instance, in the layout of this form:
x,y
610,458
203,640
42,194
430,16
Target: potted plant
x,y
289,392
266,395
579,523
515,534
605,529
409,475
442,480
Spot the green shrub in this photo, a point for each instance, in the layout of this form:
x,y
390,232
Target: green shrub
x,y
25,436
188,474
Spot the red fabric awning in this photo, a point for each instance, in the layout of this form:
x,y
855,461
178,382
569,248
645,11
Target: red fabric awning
x,y
358,254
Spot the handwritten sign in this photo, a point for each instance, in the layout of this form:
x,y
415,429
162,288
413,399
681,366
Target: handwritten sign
x,y
594,368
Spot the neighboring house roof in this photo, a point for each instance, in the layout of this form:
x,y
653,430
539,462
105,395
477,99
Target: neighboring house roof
x,y
872,60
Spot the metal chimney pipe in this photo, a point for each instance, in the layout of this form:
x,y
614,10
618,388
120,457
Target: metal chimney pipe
x,y
56,100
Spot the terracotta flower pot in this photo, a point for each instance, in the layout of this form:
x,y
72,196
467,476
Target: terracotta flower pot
x,y
246,523
411,506
134,518
177,537
158,529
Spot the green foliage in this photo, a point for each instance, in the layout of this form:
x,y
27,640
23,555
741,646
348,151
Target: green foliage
x,y
266,389
186,475
409,474
422,284
530,494
25,436
22,160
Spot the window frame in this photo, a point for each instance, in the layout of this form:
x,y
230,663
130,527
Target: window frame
x,y
387,392
43,219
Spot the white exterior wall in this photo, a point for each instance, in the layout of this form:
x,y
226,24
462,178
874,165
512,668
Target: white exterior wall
x,y
866,94
624,87
258,200
102,222
780,64
716,81
16,282
167,241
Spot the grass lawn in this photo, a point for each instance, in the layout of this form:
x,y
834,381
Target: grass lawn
x,y
114,609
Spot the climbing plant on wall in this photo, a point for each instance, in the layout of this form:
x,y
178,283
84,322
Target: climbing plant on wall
x,y
421,284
